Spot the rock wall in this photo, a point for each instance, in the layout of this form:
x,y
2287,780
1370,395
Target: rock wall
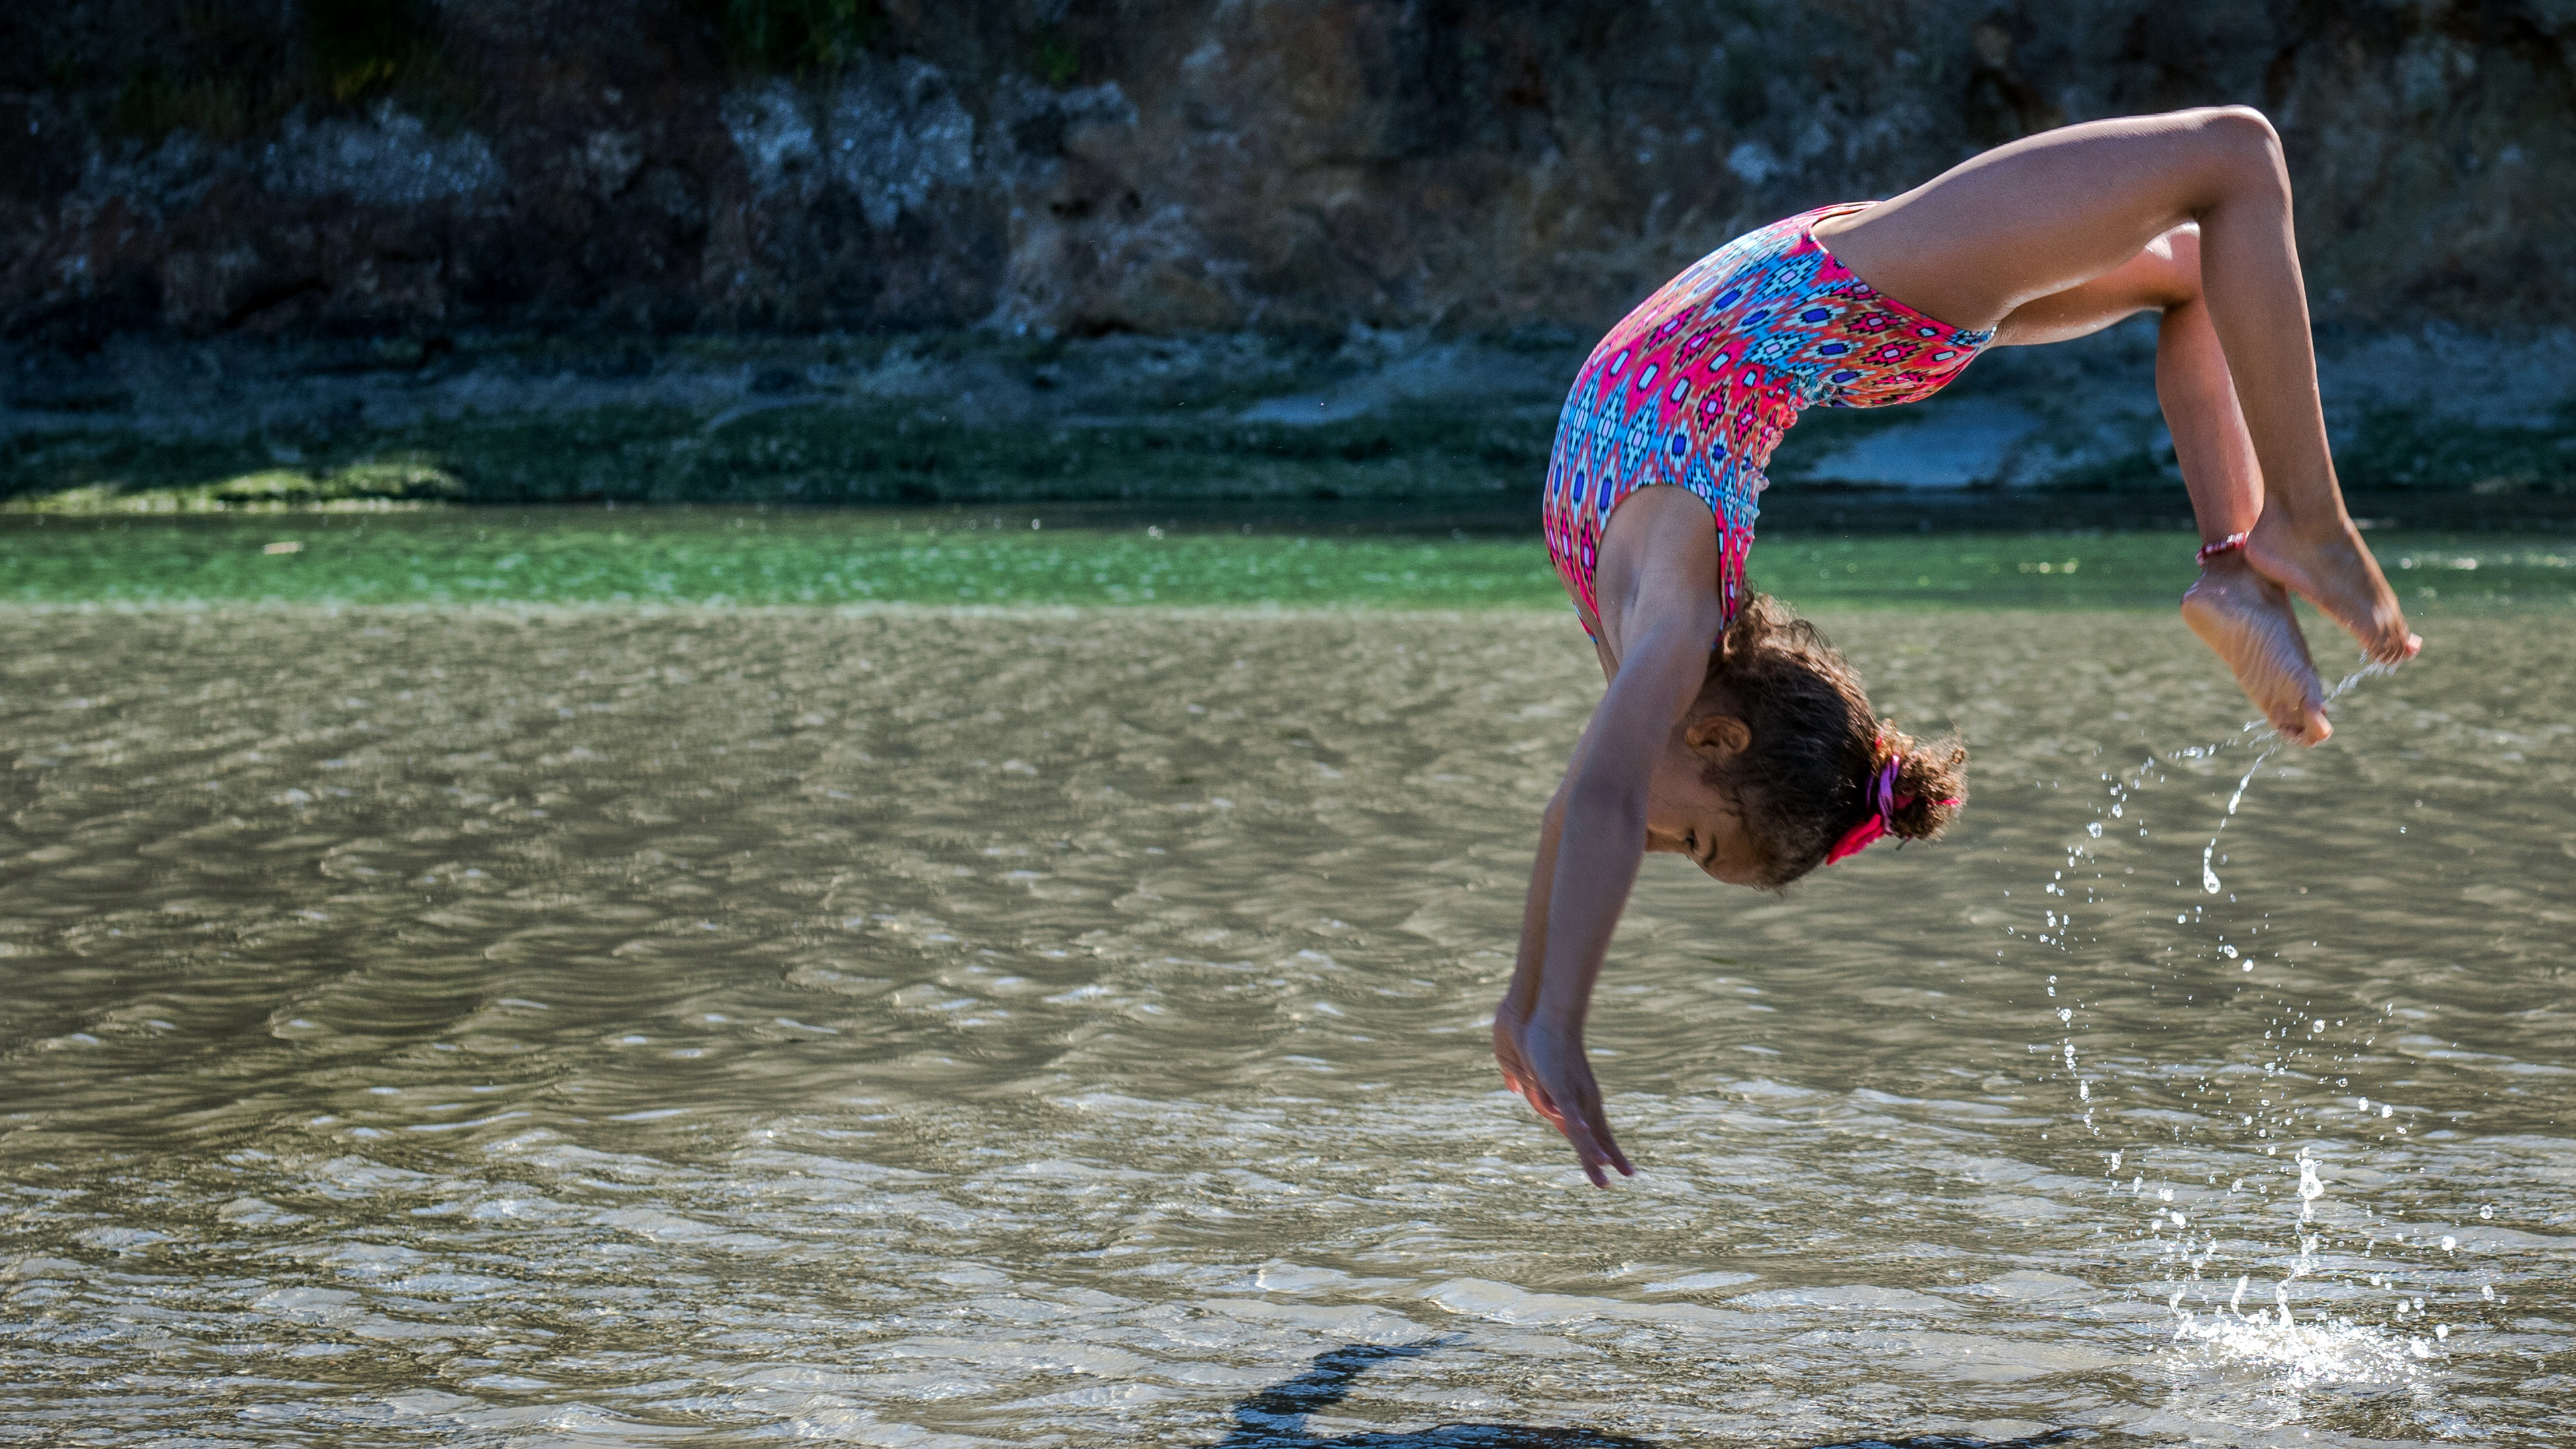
x,y
1168,166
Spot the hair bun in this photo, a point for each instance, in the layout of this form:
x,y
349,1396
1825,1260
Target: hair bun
x,y
1931,781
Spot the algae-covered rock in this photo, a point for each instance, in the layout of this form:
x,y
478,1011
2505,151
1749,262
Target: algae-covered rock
x,y
355,485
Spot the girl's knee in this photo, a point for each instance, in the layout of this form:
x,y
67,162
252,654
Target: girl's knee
x,y
2242,140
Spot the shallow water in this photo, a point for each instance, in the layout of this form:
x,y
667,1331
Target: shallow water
x,y
1052,555
1067,1028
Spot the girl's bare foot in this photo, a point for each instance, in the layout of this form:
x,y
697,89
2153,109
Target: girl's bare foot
x,y
2246,620
2338,575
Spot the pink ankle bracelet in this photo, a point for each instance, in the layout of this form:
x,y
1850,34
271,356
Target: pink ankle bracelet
x,y
2229,544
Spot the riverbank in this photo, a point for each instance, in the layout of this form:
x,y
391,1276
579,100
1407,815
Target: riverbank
x,y
982,416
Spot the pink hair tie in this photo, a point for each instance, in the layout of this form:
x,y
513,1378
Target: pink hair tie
x,y
2230,544
1883,800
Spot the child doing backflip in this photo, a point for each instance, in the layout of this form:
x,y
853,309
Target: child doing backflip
x,y
1734,734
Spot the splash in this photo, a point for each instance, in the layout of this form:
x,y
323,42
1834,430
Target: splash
x,y
2323,1352
2288,1354
2208,872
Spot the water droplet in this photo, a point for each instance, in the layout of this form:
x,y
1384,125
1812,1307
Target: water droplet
x,y
2311,1187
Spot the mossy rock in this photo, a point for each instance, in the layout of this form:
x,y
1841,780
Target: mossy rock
x,y
358,484
399,481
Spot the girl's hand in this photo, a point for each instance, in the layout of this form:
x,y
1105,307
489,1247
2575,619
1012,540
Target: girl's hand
x,y
1548,1068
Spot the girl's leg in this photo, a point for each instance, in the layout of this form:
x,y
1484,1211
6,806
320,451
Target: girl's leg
x,y
2244,618
2198,394
2049,212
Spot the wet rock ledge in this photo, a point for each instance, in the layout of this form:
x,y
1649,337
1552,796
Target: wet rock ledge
x,y
982,415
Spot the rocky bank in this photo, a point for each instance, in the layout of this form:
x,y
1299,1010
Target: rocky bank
x,y
859,249
1167,166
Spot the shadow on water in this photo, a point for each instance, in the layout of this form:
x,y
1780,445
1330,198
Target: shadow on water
x,y
1275,1418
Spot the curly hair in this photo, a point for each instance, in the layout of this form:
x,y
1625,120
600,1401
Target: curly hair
x,y
1803,781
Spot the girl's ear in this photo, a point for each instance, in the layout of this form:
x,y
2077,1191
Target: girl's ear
x,y
1718,736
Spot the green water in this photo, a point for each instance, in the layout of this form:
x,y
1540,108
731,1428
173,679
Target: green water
x,y
1029,557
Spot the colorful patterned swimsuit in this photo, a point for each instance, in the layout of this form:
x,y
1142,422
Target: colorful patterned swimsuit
x,y
1696,386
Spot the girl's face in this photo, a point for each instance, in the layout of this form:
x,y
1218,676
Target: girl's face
x,y
1685,815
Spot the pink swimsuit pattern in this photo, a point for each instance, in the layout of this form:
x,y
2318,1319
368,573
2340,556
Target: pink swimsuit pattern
x,y
1697,384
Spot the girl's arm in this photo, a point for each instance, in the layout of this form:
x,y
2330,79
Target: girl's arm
x,y
1591,842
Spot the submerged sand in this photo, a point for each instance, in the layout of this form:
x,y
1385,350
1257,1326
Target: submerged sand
x,y
1062,1026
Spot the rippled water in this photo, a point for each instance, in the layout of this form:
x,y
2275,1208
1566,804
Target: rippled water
x,y
1049,556
1068,1028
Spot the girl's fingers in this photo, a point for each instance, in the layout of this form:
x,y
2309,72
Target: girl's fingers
x,y
1589,1131
1606,1146
1587,1152
1585,1128
1610,1152
1576,1131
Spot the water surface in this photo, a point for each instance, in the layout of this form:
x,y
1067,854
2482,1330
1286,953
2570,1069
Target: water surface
x,y
1067,1027
1233,557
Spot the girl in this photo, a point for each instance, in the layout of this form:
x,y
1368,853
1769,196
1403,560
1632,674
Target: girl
x,y
1737,736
